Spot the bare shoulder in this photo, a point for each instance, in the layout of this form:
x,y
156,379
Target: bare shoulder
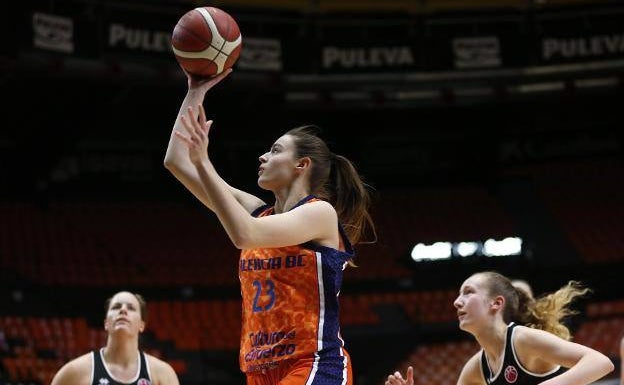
x,y
162,373
75,372
521,330
474,362
471,372
319,207
322,214
536,349
526,337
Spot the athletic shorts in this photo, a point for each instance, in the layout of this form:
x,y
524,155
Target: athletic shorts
x,y
306,371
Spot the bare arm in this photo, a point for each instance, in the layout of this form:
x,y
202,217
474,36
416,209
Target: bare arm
x,y
177,159
585,365
471,373
162,373
75,372
316,221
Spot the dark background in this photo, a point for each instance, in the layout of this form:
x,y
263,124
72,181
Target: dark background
x,y
85,133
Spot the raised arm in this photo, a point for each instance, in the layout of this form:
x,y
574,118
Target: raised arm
x,y
316,221
177,157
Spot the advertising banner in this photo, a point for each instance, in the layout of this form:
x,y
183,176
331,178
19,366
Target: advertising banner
x,y
261,54
592,37
138,34
53,32
382,57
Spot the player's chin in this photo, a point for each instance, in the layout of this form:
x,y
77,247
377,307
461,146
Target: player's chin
x,y
270,183
123,329
263,183
465,326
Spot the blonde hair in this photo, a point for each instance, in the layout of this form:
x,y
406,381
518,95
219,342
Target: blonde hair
x,y
545,313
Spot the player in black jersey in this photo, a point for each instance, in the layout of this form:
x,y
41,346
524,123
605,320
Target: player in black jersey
x,y
493,310
120,362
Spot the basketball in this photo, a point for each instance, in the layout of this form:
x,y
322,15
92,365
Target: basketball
x,y
206,41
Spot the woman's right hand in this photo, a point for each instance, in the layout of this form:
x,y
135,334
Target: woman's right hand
x,y
200,84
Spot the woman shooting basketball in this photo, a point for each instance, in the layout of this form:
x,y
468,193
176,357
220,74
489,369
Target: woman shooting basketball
x,y
293,251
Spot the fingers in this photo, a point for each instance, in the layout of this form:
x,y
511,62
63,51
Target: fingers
x,y
188,119
220,77
207,126
393,379
195,124
195,135
397,379
188,125
191,124
202,113
184,138
206,82
191,114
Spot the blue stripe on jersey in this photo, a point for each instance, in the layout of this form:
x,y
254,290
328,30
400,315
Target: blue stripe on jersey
x,y
322,300
330,362
332,371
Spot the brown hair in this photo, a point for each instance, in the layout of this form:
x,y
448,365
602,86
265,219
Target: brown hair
x,y
334,178
545,313
140,299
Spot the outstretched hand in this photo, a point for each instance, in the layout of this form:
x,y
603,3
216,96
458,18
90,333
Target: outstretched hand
x,y
196,136
397,379
204,84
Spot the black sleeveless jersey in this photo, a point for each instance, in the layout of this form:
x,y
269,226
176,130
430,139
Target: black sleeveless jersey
x,y
101,375
511,371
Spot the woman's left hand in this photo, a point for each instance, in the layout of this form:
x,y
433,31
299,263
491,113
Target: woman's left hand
x,y
196,136
397,378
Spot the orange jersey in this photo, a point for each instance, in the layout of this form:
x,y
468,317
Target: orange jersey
x,y
290,302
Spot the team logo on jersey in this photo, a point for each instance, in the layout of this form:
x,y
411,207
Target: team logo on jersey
x,y
511,374
103,381
143,381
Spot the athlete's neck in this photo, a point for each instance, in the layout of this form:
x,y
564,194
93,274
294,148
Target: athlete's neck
x,y
122,353
492,340
286,199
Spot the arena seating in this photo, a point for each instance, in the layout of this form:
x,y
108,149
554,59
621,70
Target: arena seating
x,y
587,203
104,244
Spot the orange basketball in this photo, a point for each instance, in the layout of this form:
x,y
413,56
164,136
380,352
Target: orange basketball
x,y
206,41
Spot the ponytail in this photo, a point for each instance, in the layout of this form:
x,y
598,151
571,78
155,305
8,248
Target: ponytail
x,y
351,198
334,178
547,312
